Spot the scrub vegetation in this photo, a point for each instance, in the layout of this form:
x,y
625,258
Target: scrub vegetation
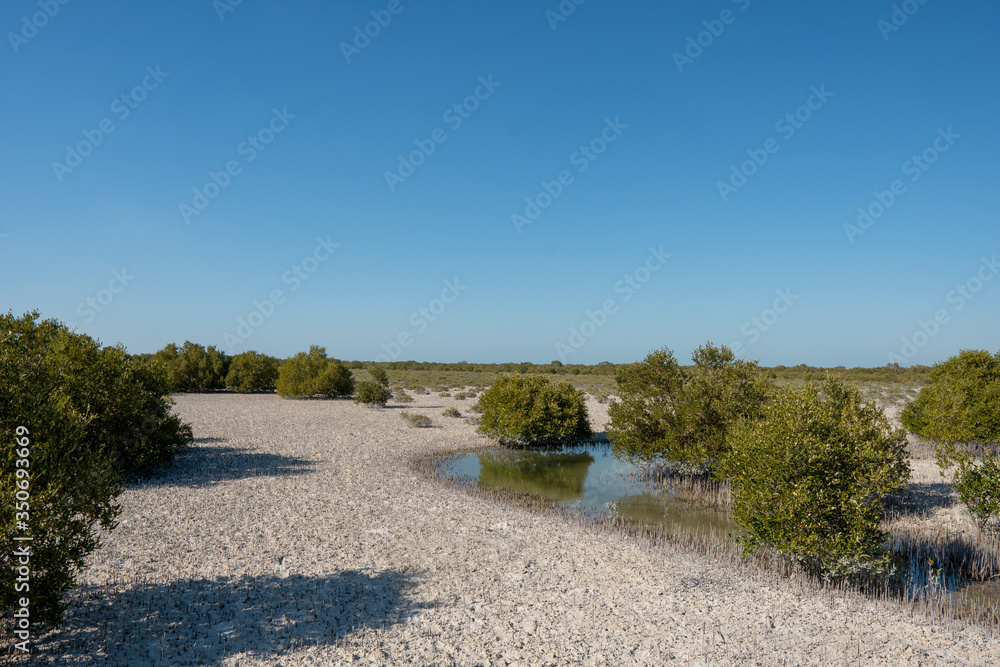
x,y
531,410
79,419
804,462
959,410
312,373
374,392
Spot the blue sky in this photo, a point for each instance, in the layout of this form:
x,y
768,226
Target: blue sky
x,y
668,124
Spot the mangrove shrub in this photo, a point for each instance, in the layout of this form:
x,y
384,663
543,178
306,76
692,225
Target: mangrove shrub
x,y
74,417
960,407
193,367
313,373
810,476
529,409
667,412
251,371
375,391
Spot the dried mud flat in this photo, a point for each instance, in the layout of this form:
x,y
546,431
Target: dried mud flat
x,y
294,533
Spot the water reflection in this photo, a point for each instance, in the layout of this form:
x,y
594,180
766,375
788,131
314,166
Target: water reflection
x,y
652,509
588,477
553,476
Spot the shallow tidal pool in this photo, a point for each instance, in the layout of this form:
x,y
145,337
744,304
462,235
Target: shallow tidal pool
x,y
587,477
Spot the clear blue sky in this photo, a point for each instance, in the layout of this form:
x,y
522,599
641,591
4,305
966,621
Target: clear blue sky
x,y
188,88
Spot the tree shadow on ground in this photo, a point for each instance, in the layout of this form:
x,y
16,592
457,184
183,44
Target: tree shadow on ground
x,y
921,498
204,622
202,465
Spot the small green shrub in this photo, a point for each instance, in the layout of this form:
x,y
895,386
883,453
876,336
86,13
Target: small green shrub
x,y
400,396
530,409
451,412
370,392
959,409
666,412
419,421
462,395
476,408
375,391
809,478
79,416
978,486
379,374
312,373
251,371
961,403
444,394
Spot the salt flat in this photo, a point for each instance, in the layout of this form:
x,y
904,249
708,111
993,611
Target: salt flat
x,y
294,533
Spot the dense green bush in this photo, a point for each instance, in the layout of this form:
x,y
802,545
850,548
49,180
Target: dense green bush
x,y
666,412
374,391
961,403
88,415
529,409
129,403
978,486
193,367
809,478
250,371
371,393
312,373
960,408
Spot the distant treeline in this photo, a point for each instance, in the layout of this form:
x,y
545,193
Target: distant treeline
x,y
556,367
888,373
196,368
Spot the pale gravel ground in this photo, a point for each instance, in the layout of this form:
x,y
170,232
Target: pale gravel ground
x,y
294,534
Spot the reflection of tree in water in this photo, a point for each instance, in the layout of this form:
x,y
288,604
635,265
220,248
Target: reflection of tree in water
x,y
553,476
649,508
645,508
